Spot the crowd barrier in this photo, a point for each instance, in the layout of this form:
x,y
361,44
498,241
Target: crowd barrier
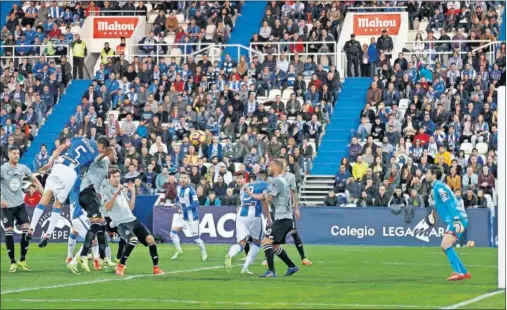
x,y
318,225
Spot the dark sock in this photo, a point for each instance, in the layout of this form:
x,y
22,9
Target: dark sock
x,y
270,256
154,254
129,247
247,248
282,254
24,244
102,241
299,244
90,236
9,243
121,245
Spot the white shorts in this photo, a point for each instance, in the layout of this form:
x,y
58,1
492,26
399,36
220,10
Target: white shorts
x,y
81,225
190,227
60,181
249,226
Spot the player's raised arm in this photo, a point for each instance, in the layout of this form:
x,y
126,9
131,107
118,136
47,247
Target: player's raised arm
x,y
108,204
132,190
55,154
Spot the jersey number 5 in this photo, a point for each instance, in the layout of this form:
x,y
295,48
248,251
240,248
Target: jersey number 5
x,y
78,151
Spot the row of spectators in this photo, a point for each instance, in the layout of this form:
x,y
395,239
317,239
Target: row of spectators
x,y
419,114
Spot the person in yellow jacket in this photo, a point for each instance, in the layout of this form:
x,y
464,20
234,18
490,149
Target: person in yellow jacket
x,y
79,53
359,168
442,152
107,52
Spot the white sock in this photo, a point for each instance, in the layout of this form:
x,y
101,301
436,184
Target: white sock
x,y
37,213
78,253
71,244
95,251
176,240
108,252
200,243
252,254
53,220
235,249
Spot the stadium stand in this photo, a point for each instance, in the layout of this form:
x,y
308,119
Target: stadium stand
x,y
278,96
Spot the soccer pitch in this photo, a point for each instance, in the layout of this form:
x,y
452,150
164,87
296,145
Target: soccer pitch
x,y
341,277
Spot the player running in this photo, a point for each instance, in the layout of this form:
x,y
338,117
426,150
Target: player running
x,y
188,219
80,153
450,211
118,206
248,222
278,195
13,206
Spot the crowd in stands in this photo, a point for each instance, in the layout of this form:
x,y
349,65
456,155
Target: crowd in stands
x,y
251,111
417,114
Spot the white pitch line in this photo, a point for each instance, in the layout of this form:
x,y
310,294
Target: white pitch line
x,y
4,292
473,300
245,303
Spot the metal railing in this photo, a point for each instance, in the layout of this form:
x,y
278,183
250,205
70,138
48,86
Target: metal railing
x,y
35,53
327,54
434,55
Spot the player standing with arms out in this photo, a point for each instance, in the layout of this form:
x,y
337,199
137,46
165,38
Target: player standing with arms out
x,y
454,216
188,220
248,221
278,195
80,154
118,206
90,202
13,206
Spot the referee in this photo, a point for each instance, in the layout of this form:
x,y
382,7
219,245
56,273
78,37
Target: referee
x,y
279,196
13,206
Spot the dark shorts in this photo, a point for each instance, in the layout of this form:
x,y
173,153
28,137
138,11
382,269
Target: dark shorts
x,y
134,229
17,213
279,230
110,229
90,202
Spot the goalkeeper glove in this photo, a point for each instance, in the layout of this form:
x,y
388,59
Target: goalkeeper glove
x,y
458,226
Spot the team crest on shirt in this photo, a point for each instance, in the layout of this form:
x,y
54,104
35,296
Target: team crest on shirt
x,y
443,195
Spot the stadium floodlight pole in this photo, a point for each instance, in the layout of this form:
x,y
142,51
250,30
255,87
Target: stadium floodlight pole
x,y
502,182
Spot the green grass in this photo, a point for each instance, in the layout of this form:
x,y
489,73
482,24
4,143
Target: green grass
x,y
341,277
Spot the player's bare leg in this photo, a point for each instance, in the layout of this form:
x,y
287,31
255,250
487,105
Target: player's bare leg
x,y
459,271
176,241
233,251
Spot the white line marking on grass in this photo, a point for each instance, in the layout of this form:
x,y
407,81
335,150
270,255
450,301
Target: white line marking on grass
x,y
116,278
245,303
473,300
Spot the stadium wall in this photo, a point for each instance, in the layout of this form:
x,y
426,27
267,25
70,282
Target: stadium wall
x,y
318,225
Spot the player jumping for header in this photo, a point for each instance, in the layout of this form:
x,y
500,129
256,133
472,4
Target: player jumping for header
x,y
80,153
450,211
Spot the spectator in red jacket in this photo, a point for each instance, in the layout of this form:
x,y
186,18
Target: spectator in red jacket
x,y
33,197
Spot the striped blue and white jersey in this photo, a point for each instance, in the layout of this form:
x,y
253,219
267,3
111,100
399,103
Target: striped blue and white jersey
x,y
80,154
188,202
446,204
250,206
